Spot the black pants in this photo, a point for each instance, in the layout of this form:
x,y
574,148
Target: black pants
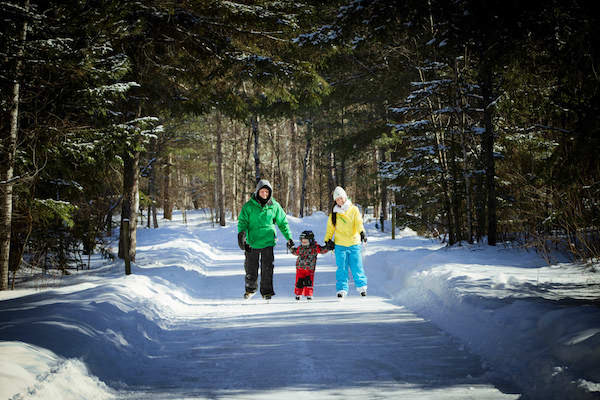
x,y
266,270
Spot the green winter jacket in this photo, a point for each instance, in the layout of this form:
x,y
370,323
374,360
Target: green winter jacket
x,y
259,221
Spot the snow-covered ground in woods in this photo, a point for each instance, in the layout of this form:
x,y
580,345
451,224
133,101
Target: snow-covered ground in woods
x,y
467,322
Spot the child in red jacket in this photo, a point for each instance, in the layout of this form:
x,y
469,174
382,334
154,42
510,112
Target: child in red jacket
x,y
305,264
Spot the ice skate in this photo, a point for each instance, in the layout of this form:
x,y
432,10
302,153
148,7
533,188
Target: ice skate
x,y
362,290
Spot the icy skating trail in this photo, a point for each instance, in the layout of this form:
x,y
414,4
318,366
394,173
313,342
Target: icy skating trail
x,y
178,328
361,348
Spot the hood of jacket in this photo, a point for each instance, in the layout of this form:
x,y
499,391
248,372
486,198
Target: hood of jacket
x,y
263,183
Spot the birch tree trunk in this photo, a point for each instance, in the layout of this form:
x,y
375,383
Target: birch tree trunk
x,y
7,158
219,172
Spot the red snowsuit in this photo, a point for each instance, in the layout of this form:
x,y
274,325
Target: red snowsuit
x,y
305,267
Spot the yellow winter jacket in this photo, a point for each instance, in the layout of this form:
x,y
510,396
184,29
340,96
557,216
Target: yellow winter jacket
x,y
347,228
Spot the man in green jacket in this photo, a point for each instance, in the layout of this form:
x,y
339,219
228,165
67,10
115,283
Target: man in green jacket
x,y
257,236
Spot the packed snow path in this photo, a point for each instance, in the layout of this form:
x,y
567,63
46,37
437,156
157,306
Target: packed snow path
x,y
359,347
179,328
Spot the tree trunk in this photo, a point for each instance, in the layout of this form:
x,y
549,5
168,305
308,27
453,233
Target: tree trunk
x,y
304,173
383,213
293,185
466,173
309,184
153,193
7,159
331,178
342,174
467,181
124,244
130,200
167,200
342,171
480,207
440,149
234,172
456,198
154,219
151,181
216,215
463,143
488,150
255,133
245,191
377,185
219,172
321,186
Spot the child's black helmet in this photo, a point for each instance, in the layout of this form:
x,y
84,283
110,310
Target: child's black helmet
x,y
308,235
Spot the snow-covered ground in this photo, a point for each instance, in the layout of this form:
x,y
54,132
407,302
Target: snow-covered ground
x,y
468,322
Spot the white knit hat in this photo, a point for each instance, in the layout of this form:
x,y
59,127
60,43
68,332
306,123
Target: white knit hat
x,y
339,192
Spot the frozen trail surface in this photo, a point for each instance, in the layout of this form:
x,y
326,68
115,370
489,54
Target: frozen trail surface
x,y
222,346
178,328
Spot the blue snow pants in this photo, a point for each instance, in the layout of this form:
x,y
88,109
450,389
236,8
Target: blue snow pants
x,y
349,257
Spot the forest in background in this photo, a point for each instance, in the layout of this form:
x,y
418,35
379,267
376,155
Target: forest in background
x,y
469,121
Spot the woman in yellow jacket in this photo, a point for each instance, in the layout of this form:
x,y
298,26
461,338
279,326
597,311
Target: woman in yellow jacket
x,y
345,225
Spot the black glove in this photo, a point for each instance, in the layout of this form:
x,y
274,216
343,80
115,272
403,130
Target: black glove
x,y
329,244
290,244
242,240
363,237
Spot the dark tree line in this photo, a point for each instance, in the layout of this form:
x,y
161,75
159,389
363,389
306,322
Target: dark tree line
x,y
469,120
488,103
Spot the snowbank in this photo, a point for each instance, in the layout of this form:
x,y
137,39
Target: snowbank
x,y
36,373
538,325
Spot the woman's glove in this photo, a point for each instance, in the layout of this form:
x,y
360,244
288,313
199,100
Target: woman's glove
x,y
290,244
330,244
242,240
363,237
